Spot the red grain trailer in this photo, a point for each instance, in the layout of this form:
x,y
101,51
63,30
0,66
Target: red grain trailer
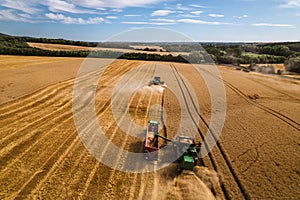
x,y
151,142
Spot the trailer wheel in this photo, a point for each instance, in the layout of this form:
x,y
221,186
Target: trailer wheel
x,y
146,155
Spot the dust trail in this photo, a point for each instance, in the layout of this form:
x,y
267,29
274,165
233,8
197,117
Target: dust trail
x,y
188,184
153,88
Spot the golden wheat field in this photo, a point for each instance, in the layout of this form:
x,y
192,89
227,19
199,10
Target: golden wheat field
x,y
42,156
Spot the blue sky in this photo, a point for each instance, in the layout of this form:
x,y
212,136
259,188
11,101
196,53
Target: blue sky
x,y
201,20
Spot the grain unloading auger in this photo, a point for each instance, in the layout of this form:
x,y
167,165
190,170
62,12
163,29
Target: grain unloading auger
x,y
184,147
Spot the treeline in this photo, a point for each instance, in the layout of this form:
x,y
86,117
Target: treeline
x,y
275,49
118,45
19,46
242,53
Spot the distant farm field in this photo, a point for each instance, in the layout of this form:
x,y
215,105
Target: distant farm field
x,y
60,47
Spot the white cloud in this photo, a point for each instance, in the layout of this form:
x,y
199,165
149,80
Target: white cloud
x,y
291,4
63,6
194,21
114,3
95,20
188,21
198,12
95,4
71,20
197,6
179,6
135,23
241,17
25,15
189,16
162,13
28,6
112,17
148,23
74,6
164,20
273,25
64,19
216,15
9,15
117,10
131,15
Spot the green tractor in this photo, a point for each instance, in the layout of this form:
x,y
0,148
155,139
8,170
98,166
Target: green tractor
x,y
186,150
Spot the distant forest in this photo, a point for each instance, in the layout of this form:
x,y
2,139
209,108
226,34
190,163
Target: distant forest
x,y
221,53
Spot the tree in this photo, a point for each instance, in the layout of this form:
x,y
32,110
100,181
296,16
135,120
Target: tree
x,y
293,65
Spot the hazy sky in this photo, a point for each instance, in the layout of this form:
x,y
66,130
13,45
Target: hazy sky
x,y
202,20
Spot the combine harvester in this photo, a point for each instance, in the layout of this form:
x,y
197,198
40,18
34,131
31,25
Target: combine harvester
x,y
184,147
156,81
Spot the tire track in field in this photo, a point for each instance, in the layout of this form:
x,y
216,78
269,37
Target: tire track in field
x,y
44,128
28,135
155,189
42,95
260,82
115,175
14,132
134,180
53,169
44,100
22,155
142,178
32,176
90,179
55,165
149,179
278,115
53,172
32,99
271,111
220,189
59,120
39,121
183,85
56,157
48,94
57,151
95,168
